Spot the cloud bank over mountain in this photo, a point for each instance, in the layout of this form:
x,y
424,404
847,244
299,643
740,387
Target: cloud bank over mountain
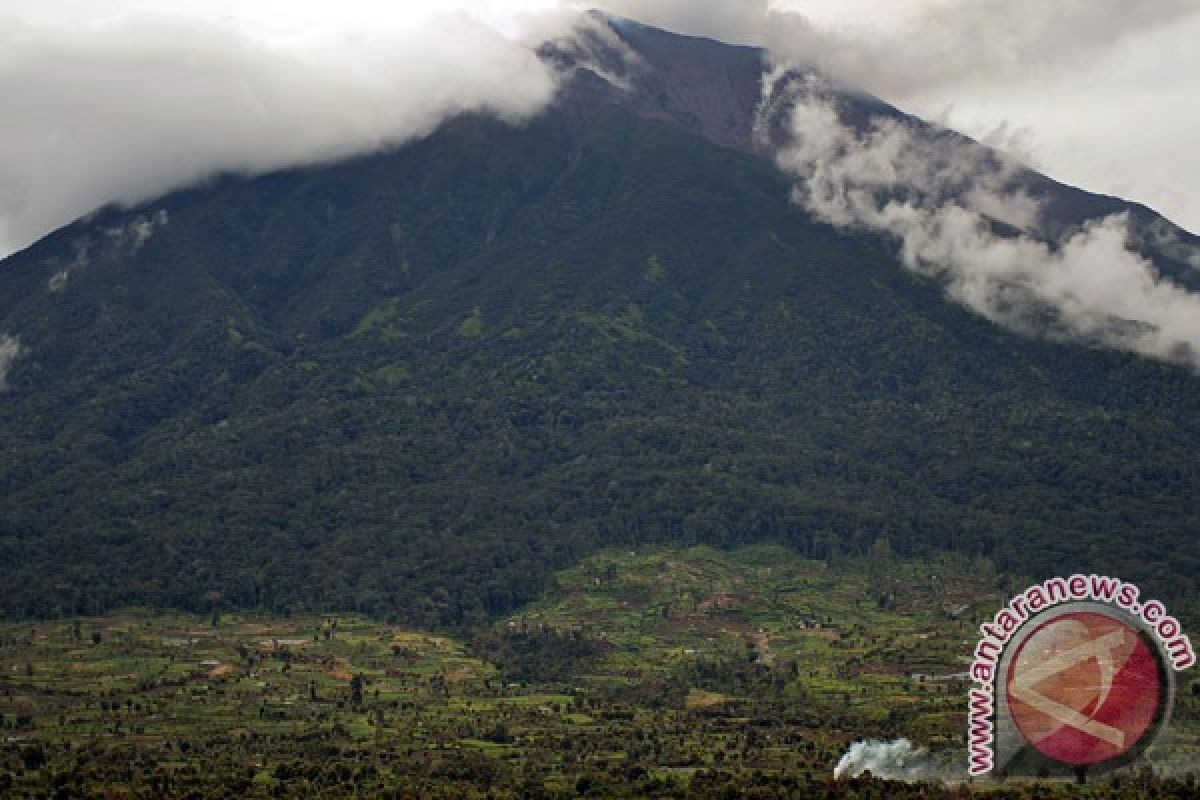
x,y
126,102
128,99
1100,93
958,214
126,106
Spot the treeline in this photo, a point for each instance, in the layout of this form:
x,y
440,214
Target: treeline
x,y
335,773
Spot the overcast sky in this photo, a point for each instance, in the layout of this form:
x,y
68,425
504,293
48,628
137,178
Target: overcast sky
x,y
123,99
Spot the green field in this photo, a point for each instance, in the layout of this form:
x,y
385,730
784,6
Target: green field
x,y
659,673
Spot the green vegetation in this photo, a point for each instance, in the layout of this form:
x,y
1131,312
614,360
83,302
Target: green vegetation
x,y
509,348
662,673
390,375
655,272
622,476
472,326
383,321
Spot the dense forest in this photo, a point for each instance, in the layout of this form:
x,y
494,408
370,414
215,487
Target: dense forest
x,y
415,384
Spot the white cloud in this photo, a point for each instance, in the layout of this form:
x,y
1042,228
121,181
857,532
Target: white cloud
x,y
956,44
125,99
125,106
940,199
1103,91
10,350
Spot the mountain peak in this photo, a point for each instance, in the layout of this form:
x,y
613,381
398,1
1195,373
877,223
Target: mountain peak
x,y
715,90
707,87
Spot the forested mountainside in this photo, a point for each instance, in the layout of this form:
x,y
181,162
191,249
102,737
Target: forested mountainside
x,y
417,383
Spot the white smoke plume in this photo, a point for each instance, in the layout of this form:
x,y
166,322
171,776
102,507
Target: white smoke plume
x,y
952,210
899,760
10,350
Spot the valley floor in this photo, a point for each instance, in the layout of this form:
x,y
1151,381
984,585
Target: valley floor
x,y
664,673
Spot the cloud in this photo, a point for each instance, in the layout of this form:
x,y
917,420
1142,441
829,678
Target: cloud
x,y
928,45
944,44
1101,91
127,99
1166,240
127,106
10,350
119,241
957,215
739,22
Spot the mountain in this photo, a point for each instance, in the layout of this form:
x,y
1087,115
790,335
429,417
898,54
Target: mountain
x,y
714,90
416,383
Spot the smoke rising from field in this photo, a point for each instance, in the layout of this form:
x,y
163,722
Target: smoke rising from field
x,y
957,215
898,760
10,350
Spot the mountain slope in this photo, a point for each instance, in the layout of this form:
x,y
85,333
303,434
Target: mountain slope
x,y
714,90
416,383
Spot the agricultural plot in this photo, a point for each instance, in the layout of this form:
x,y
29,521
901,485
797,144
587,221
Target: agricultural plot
x,y
659,673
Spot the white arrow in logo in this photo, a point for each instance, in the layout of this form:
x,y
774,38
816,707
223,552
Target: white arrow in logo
x,y
1105,650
